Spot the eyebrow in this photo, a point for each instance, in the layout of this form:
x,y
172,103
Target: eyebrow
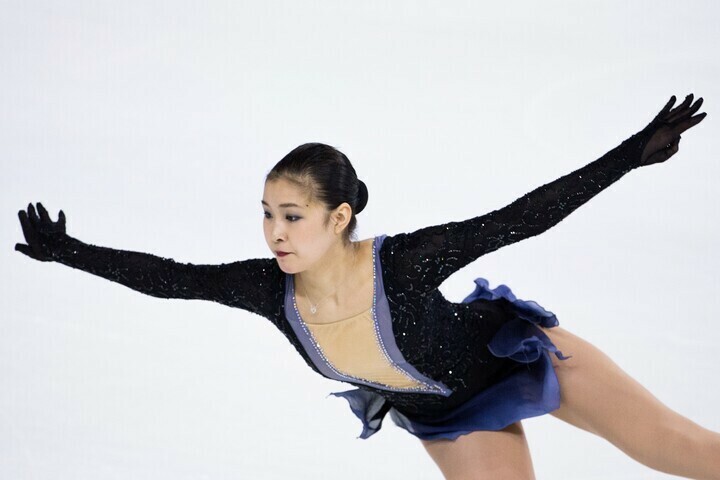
x,y
283,205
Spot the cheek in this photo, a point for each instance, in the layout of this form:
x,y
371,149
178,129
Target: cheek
x,y
267,232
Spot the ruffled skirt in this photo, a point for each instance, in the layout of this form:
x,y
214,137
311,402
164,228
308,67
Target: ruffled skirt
x,y
526,392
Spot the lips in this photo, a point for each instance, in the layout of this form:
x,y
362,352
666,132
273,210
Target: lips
x,y
282,254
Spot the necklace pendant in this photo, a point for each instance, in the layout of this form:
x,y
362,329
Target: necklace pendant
x,y
313,309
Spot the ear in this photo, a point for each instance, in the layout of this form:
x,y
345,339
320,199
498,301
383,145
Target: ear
x,y
341,217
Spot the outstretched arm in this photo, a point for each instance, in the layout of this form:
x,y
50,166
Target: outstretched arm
x,y
248,284
423,259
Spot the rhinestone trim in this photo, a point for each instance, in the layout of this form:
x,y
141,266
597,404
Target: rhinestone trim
x,y
425,387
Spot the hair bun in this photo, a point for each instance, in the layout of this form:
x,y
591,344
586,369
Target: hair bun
x,y
362,197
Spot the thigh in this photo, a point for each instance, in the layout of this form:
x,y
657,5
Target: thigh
x,y
502,455
600,397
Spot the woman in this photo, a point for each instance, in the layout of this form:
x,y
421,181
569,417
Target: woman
x,y
459,376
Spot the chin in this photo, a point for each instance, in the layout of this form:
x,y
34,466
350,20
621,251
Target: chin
x,y
285,267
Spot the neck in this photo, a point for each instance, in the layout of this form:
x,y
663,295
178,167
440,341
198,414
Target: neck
x,y
325,280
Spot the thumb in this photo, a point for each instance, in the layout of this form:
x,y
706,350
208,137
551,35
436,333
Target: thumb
x,y
659,157
24,249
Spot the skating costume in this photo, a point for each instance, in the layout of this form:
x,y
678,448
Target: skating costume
x,y
440,368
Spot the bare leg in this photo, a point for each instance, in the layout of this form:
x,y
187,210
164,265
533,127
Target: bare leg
x,y
497,455
601,398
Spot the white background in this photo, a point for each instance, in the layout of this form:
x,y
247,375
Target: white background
x,y
152,124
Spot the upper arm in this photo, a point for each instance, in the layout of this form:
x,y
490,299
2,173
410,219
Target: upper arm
x,y
252,284
421,260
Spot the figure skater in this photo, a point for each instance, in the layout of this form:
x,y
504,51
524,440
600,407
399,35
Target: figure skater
x,y
458,376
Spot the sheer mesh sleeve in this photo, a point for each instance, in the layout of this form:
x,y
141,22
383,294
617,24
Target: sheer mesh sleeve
x,y
249,284
423,259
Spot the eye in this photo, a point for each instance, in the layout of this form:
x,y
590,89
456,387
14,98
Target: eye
x,y
291,218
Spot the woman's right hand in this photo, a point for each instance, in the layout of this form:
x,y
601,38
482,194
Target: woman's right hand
x,y
41,233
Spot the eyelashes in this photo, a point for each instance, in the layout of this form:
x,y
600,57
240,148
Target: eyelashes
x,y
290,218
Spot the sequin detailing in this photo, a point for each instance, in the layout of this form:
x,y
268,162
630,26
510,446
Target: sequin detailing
x,y
448,341
442,340
382,332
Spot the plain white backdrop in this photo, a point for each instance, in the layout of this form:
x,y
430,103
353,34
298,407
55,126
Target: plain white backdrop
x,y
152,123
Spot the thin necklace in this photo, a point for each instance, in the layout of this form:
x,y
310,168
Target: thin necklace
x,y
313,307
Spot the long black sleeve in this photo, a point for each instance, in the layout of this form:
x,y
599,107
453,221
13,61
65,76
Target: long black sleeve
x,y
249,284
421,260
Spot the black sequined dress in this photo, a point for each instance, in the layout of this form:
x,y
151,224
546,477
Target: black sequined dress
x,y
483,363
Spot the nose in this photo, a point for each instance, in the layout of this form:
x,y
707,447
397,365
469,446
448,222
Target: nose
x,y
277,233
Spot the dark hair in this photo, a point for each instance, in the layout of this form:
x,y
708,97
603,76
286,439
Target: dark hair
x,y
327,176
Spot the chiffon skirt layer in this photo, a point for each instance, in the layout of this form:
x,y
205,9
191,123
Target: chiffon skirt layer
x,y
526,392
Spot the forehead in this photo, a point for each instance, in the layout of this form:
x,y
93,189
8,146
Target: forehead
x,y
284,194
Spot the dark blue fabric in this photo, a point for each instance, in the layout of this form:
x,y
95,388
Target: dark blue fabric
x,y
527,392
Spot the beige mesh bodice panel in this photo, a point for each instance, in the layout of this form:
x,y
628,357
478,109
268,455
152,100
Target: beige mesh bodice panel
x,y
351,346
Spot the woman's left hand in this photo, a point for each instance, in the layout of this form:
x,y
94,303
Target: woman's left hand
x,y
669,124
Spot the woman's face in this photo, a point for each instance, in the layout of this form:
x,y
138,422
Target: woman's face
x,y
292,224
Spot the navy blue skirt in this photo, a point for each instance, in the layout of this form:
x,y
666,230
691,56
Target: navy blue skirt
x,y
524,393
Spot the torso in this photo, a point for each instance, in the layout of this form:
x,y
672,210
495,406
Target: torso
x,y
357,292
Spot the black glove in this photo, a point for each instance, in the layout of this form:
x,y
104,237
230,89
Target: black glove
x,y
665,129
43,236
